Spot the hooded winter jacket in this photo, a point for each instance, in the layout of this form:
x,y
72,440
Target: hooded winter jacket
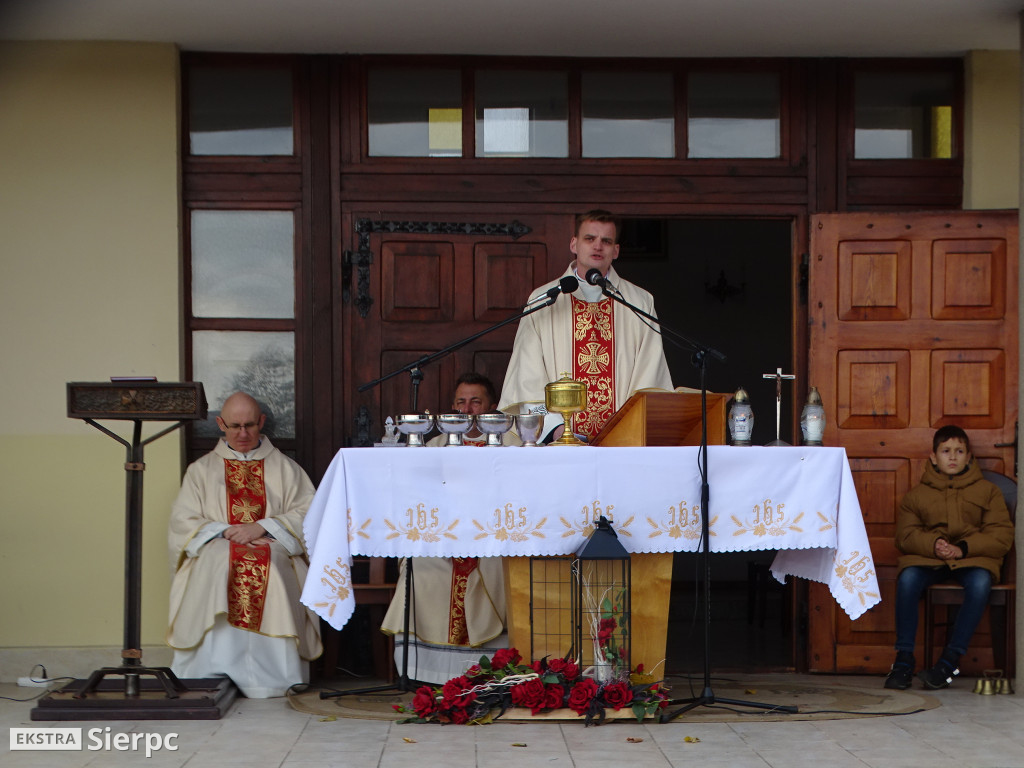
x,y
965,509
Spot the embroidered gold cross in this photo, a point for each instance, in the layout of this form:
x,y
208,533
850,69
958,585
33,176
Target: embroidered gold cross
x,y
594,359
249,512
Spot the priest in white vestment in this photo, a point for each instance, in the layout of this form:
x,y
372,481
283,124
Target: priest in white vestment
x,y
240,562
588,335
457,610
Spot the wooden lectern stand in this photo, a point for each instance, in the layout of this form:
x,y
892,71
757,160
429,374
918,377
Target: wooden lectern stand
x,y
648,418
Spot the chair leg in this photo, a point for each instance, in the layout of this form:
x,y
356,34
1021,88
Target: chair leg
x,y
929,631
998,616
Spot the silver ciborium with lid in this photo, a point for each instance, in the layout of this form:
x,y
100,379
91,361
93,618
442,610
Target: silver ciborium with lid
x,y
414,426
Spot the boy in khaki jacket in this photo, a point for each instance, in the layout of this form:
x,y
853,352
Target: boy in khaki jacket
x,y
953,526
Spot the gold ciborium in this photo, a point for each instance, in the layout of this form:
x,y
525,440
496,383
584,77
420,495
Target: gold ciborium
x,y
566,396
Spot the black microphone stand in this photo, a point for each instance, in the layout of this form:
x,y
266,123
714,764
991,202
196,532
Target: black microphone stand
x,y
700,359
566,285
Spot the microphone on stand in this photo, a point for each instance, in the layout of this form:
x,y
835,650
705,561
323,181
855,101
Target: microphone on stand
x,y
594,277
567,284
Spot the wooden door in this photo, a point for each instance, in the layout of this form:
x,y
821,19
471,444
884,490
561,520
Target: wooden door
x,y
913,325
416,283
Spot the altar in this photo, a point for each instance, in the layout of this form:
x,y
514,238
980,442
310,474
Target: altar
x,y
512,502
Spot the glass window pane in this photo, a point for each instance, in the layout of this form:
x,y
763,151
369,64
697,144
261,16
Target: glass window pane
x,y
628,114
734,114
260,363
415,113
522,114
243,264
234,111
903,115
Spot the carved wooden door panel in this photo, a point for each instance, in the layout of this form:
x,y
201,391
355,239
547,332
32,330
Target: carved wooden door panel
x,y
414,284
913,326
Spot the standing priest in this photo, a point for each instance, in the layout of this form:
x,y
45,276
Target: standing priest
x,y
588,335
236,546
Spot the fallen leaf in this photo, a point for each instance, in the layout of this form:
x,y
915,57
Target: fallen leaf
x,y
633,740
691,740
518,744
751,691
328,719
407,740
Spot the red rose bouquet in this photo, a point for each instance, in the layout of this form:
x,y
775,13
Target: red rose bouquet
x,y
488,689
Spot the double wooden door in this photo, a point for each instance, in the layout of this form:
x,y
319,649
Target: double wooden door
x,y
913,325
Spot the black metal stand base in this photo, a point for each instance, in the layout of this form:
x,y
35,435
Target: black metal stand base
x,y
402,686
195,699
708,698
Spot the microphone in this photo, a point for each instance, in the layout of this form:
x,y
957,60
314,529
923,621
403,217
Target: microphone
x,y
594,277
567,284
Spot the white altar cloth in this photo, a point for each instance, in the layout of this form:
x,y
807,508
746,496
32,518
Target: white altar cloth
x,y
467,501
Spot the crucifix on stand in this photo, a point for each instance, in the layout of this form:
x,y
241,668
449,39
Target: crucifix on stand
x,y
778,376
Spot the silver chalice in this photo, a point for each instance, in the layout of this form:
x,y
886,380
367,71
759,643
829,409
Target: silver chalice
x,y
414,426
494,425
454,425
530,425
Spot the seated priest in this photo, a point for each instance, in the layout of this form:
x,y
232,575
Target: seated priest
x,y
457,611
239,562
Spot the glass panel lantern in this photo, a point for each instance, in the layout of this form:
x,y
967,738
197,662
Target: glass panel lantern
x,y
601,586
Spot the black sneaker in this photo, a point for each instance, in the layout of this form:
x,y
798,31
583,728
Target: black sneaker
x,y
900,676
902,673
939,676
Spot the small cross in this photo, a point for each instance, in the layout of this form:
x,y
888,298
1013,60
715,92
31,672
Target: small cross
x,y
778,376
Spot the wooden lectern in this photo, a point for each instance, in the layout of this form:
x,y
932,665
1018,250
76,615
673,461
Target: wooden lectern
x,y
648,418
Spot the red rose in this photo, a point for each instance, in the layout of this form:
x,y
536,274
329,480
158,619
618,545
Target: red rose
x,y
567,669
455,687
423,703
456,716
581,695
538,667
529,694
505,657
617,695
554,695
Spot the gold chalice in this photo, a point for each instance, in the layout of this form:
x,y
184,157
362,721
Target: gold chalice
x,y
566,396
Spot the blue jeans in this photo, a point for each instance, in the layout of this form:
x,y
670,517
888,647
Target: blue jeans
x,y
910,587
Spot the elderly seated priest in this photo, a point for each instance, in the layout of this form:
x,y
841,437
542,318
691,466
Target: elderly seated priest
x,y
239,559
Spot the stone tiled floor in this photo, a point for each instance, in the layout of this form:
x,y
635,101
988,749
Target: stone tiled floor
x,y
966,731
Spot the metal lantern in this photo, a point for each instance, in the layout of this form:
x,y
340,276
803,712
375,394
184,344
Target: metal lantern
x,y
812,419
601,604
741,419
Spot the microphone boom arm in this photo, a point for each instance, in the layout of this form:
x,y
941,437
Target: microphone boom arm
x,y
690,343
427,359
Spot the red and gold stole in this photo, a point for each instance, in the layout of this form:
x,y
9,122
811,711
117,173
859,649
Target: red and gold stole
x,y
458,632
249,567
593,361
